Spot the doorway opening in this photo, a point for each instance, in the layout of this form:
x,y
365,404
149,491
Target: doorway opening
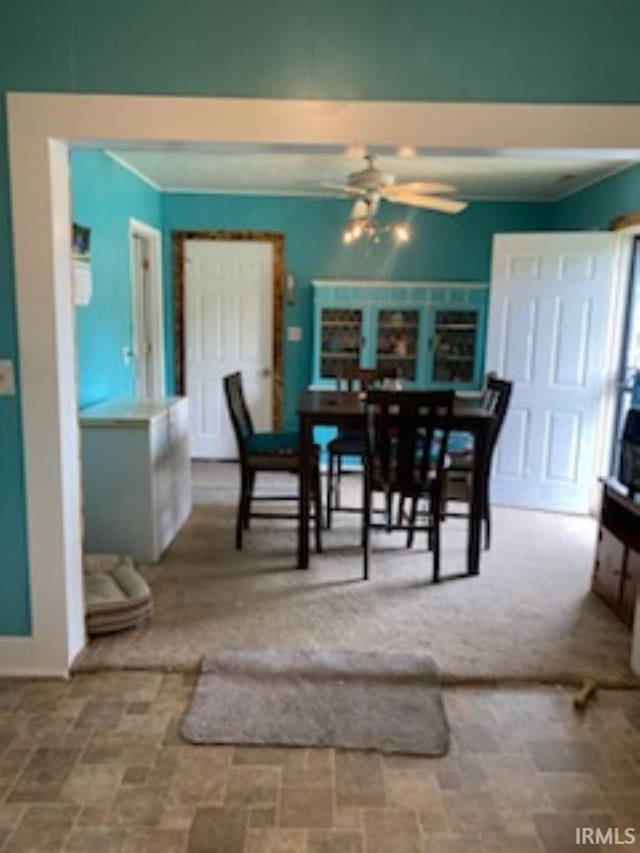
x,y
40,129
147,351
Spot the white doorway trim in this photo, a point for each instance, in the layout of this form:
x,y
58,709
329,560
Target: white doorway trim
x,y
40,128
137,228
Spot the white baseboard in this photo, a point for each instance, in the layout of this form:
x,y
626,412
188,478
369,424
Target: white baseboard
x,y
19,659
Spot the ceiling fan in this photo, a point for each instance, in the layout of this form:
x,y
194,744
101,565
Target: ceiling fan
x,y
371,184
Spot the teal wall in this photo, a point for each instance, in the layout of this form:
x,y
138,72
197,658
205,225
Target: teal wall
x,y
445,248
578,50
15,616
597,205
104,197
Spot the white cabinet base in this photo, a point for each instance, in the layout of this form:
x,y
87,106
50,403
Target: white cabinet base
x,y
136,476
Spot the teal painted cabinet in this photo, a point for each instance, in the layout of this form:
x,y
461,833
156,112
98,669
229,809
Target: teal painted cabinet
x,y
428,334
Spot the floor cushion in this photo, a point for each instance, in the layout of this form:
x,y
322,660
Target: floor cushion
x,y
116,595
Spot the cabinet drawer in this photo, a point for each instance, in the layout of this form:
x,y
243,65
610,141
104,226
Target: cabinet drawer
x,y
607,577
630,586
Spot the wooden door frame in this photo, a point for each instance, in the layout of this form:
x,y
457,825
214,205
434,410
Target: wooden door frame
x,y
178,240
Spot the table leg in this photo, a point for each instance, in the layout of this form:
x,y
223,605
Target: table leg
x,y
475,505
304,490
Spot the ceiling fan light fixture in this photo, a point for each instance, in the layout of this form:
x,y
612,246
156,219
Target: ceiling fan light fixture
x,y
362,209
368,228
357,229
401,232
353,231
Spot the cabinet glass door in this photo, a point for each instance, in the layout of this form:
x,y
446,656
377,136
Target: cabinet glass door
x,y
340,340
397,342
454,349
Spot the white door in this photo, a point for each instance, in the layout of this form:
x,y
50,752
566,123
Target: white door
x,y
228,326
551,332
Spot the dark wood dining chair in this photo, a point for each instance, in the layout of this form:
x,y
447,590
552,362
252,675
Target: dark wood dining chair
x,y
496,398
265,451
405,455
350,443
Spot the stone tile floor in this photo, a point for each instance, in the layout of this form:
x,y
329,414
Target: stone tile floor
x,y
96,764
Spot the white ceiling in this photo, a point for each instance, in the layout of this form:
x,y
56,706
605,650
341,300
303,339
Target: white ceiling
x,y
534,177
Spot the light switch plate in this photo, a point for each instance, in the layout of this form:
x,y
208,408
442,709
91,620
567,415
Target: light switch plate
x,y
7,378
294,334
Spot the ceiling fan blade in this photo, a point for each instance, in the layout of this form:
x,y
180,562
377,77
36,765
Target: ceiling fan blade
x,y
431,202
344,189
418,187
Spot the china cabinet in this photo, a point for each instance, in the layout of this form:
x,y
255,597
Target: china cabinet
x,y
427,334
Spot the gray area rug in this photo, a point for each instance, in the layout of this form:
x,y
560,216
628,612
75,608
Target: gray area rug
x,y
391,703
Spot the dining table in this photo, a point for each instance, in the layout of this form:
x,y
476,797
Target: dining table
x,y
346,411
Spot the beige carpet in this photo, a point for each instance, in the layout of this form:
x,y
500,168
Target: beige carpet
x,y
529,615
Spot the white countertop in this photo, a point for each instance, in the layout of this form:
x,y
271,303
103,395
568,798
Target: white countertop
x,y
126,412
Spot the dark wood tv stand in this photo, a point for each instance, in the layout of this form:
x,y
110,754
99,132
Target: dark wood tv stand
x,y
616,573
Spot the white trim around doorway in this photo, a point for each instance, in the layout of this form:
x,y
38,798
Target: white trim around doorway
x,y
41,127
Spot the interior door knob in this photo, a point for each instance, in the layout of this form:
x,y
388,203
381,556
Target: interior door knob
x,y
266,371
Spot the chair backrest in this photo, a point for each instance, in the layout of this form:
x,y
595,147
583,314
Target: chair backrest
x,y
238,411
407,433
351,378
496,400
488,395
